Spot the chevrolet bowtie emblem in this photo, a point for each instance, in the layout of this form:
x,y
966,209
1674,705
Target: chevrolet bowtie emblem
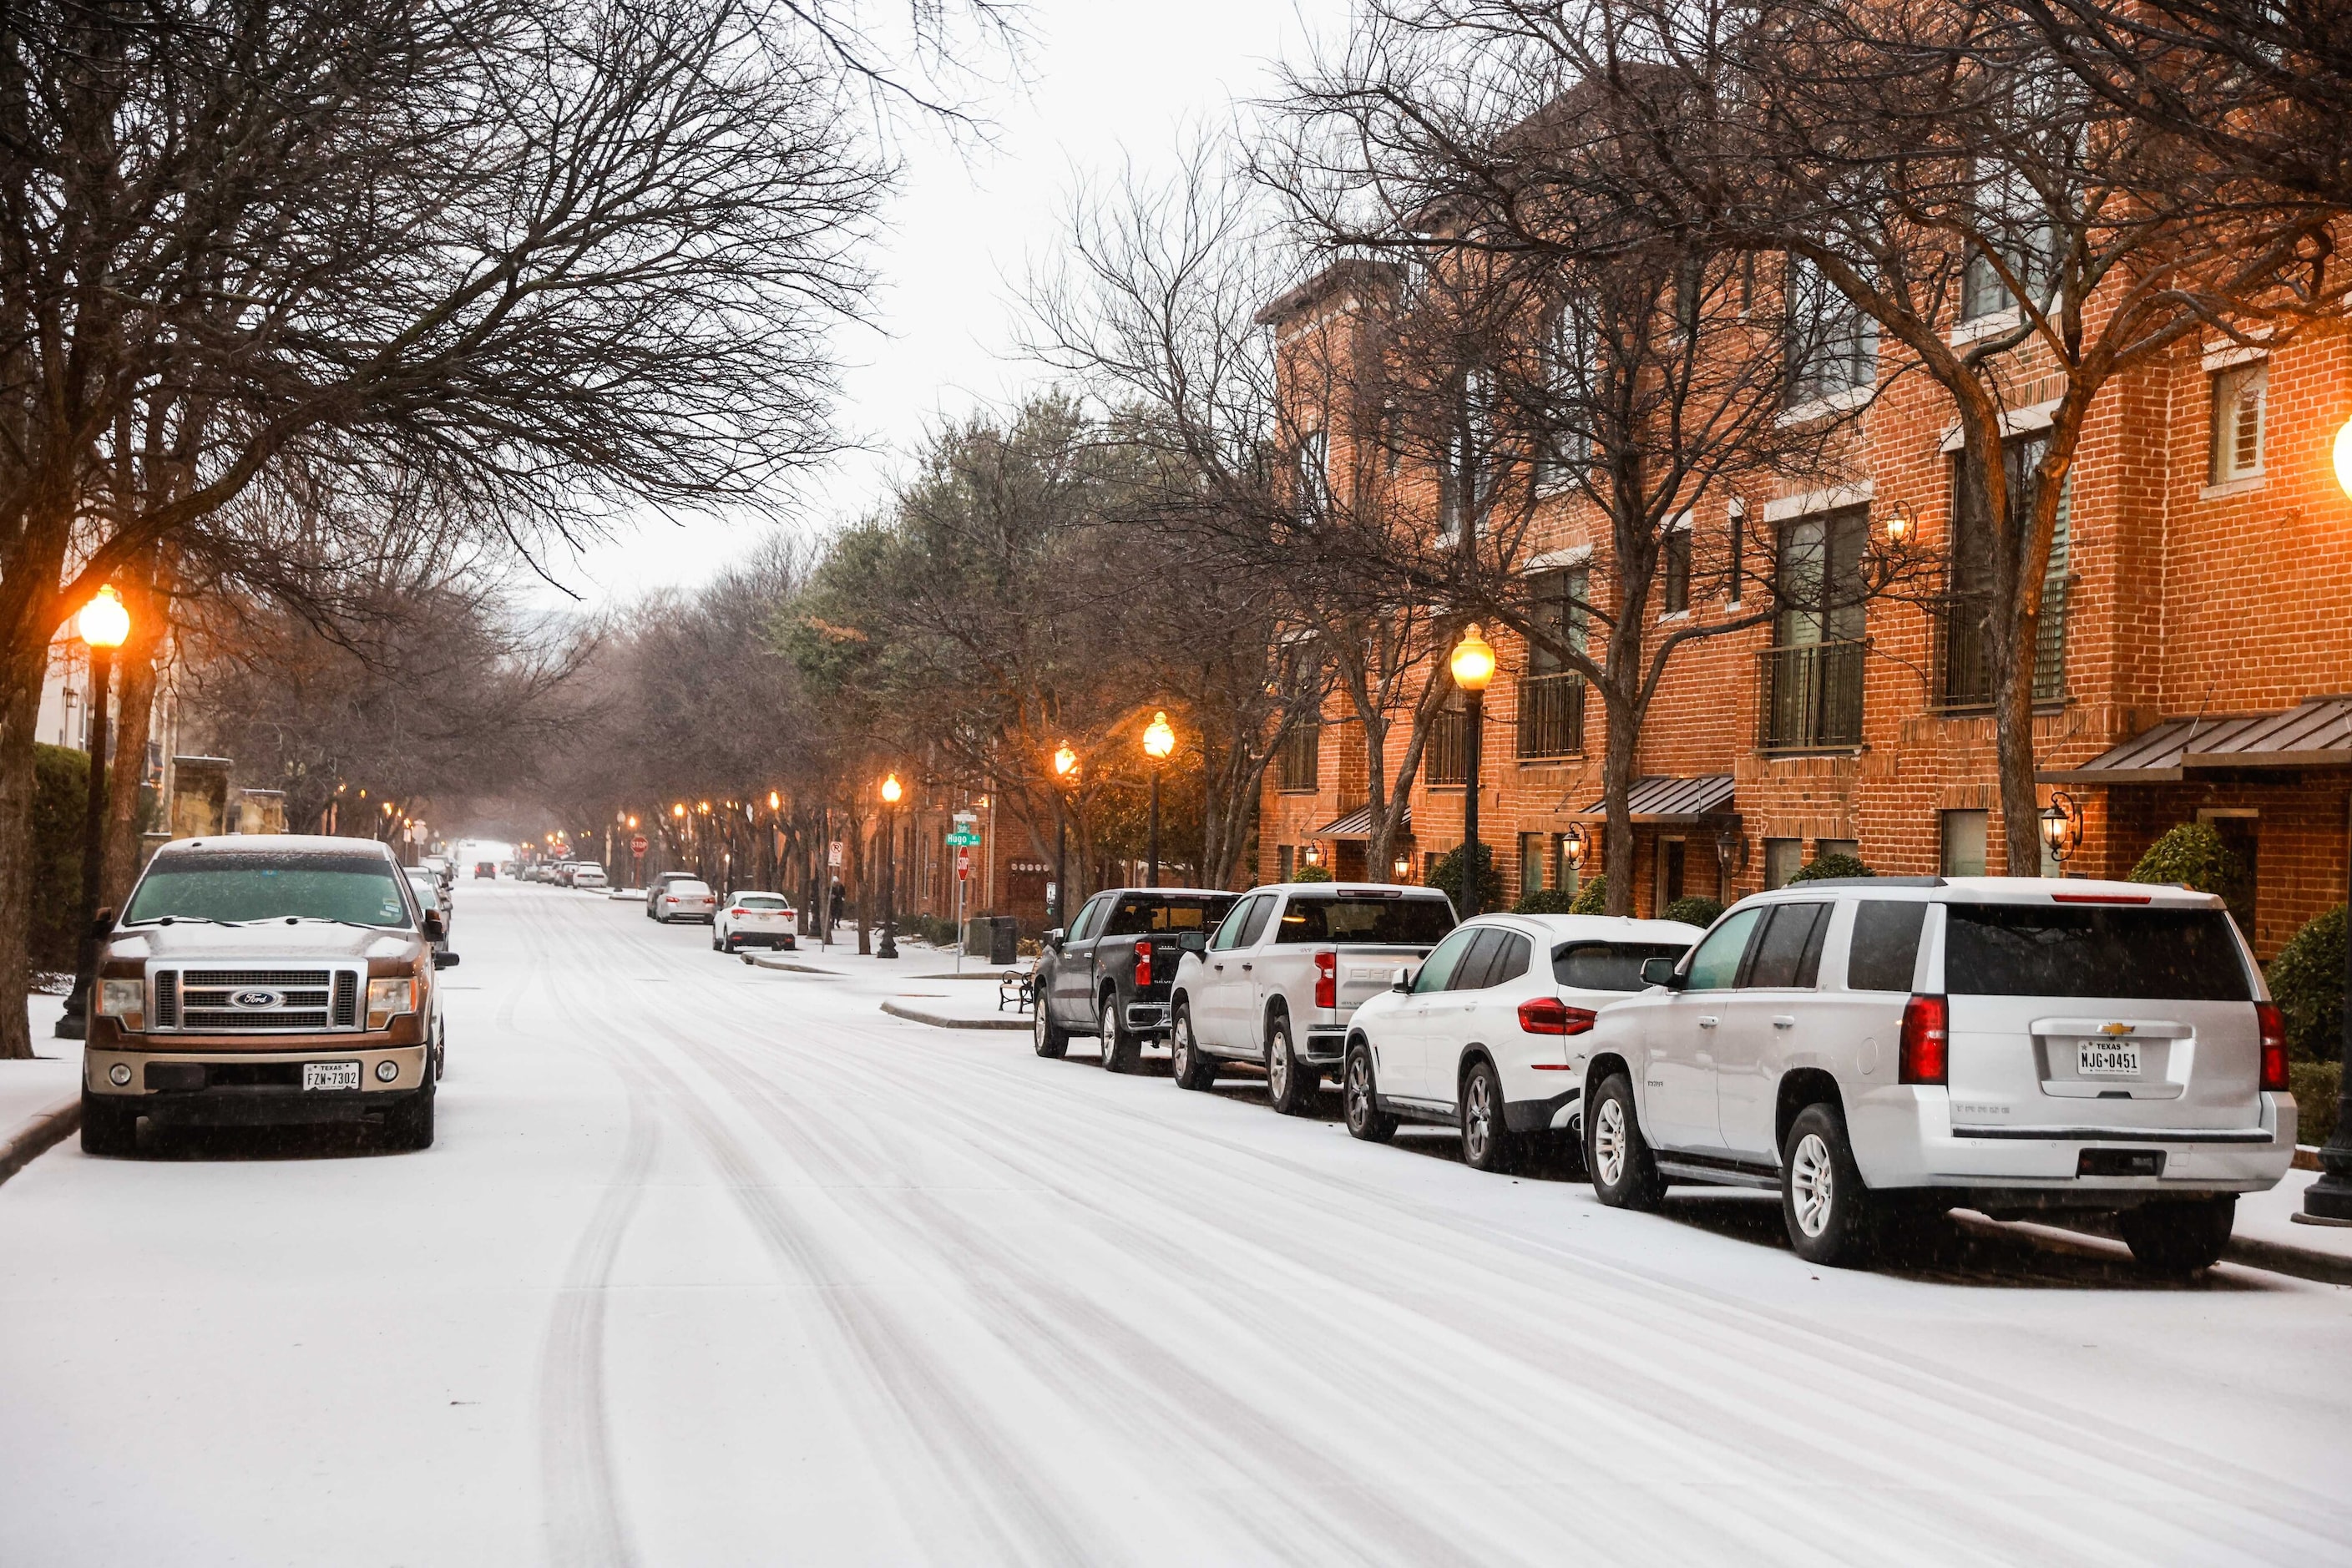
x,y
2115,1029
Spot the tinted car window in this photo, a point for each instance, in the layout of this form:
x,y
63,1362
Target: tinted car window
x,y
1229,934
1789,951
2009,949
1138,917
1716,965
1367,918
1475,970
760,901
1608,966
1084,926
1443,961
1254,924
233,887
1512,962
1886,948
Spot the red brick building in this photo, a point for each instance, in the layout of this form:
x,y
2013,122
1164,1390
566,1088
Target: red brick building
x,y
2201,627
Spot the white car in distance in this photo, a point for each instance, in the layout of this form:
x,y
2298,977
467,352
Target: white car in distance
x,y
755,919
684,899
1483,1035
590,877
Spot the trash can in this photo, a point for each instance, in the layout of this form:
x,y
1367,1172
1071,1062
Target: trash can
x,y
993,938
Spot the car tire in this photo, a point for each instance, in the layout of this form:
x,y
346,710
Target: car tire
x,y
1189,1065
1291,1086
1487,1141
108,1129
1121,1049
2178,1237
1624,1172
1049,1038
1833,1216
410,1124
1361,1085
715,945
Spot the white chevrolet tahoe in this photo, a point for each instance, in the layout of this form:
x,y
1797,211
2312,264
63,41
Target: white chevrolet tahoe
x,y
2009,1045
1281,977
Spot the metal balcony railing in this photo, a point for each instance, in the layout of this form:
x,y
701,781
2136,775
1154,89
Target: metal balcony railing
x,y
1551,715
1964,652
1810,695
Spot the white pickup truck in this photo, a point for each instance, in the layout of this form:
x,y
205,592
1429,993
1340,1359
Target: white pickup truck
x,y
1281,977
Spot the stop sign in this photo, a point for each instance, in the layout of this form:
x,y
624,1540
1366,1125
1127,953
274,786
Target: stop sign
x,y
638,844
963,865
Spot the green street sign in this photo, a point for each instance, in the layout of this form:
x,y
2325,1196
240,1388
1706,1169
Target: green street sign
x,y
963,841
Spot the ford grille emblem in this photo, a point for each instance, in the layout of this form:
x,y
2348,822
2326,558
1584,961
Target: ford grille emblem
x,y
255,1001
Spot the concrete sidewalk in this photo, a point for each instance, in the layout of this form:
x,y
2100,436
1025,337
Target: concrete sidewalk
x,y
40,1101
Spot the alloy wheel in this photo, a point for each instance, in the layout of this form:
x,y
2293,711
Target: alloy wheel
x,y
1277,1068
1813,1185
1360,1090
1480,1128
1609,1142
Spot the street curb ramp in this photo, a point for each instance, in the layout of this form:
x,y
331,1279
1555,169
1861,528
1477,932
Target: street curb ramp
x,y
39,1136
940,1021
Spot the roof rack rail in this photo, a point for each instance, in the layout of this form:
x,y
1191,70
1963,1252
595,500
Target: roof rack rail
x,y
1863,882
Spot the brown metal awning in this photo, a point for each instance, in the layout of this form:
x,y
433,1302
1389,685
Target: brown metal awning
x,y
2317,733
1357,824
1674,801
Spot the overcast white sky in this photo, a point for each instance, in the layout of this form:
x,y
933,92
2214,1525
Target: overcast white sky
x,y
1105,80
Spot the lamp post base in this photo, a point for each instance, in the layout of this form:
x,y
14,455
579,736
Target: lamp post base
x,y
2303,1217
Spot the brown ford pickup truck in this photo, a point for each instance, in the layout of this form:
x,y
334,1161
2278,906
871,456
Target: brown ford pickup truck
x,y
255,981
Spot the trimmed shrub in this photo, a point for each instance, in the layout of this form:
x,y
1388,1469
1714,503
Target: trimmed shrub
x,y
1546,901
2316,1086
2193,856
1445,874
60,803
2307,983
1832,865
1592,899
1311,874
1692,909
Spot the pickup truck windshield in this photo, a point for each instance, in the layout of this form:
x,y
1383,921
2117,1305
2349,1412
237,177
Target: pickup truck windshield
x,y
2026,950
1369,918
260,886
1141,917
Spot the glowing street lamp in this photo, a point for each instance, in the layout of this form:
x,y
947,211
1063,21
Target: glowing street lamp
x,y
103,626
1159,742
1065,773
1474,666
891,793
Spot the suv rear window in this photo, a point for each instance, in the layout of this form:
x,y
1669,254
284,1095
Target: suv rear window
x,y
1402,923
1885,947
2013,949
1608,966
1138,917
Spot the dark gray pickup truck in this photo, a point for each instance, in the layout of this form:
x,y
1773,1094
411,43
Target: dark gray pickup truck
x,y
1107,975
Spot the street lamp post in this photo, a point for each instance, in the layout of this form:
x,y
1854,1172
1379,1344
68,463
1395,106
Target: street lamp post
x,y
1474,666
103,624
1066,768
2328,1201
1159,741
890,794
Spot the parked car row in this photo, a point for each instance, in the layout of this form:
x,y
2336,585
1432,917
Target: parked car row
x,y
1875,1050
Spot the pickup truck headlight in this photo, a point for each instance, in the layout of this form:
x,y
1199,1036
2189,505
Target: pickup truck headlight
x,y
388,999
125,1001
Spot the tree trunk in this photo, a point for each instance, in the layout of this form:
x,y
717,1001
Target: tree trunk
x,y
2021,823
1616,790
20,709
135,672
858,862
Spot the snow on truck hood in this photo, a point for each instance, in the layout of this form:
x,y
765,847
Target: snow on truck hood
x,y
305,939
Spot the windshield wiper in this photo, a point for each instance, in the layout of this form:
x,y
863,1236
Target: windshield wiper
x,y
337,921
174,919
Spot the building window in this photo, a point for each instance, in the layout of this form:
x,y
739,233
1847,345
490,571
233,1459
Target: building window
x,y
1569,372
1281,861
1470,427
2237,397
1674,860
1964,844
1311,484
1964,667
1783,858
1448,749
1532,855
1675,558
1299,767
1551,695
1830,344
2011,215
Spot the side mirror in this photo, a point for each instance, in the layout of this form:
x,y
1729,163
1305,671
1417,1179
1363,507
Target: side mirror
x,y
1661,971
434,926
1193,942
444,959
1401,979
1054,939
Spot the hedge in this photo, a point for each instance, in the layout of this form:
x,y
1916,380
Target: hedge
x,y
2316,1086
60,804
1592,899
2306,981
1445,874
1311,874
1546,901
2192,855
1832,866
1695,909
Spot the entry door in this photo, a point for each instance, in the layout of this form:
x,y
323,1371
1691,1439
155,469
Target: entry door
x,y
1678,1079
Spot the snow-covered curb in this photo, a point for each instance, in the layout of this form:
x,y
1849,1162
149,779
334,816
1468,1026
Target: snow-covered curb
x,y
36,1136
941,1021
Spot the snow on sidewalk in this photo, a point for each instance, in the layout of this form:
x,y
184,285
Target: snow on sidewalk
x,y
53,1079
2265,1217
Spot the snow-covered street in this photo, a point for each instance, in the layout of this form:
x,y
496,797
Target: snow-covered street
x,y
716,1264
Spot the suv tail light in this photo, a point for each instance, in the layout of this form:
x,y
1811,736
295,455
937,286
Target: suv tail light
x,y
1926,1039
1142,964
736,914
2274,1027
1550,1016
1327,980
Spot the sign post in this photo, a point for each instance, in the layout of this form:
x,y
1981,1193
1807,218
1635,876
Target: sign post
x,y
965,834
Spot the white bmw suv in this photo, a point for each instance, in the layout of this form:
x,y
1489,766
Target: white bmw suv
x,y
1481,1035
2010,1045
